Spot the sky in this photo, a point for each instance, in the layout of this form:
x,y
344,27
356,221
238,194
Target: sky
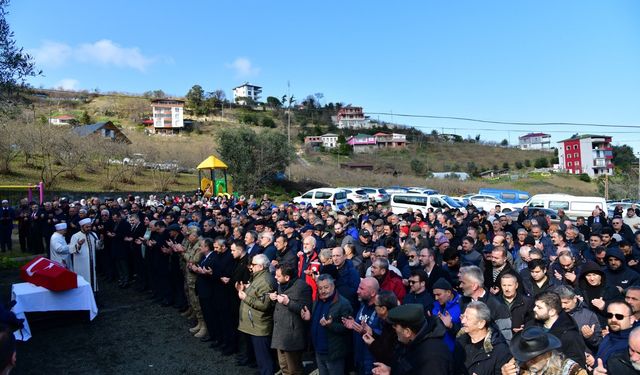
x,y
542,61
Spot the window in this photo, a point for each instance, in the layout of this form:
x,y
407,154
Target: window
x,y
436,202
523,197
508,196
410,200
568,156
577,163
308,195
556,205
575,147
575,155
569,164
568,147
323,195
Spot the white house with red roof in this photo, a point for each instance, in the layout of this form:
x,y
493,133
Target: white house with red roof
x,y
63,120
535,141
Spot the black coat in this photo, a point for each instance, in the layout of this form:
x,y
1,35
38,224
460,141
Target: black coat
x,y
566,329
427,354
487,362
521,310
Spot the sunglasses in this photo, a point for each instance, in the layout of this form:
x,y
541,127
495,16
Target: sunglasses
x,y
617,316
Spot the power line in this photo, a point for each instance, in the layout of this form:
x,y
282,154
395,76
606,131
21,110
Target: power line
x,y
503,130
521,123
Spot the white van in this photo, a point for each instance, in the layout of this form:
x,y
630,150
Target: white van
x,y
402,201
572,205
337,198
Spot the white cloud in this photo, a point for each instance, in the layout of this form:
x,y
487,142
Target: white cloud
x,y
243,67
68,84
103,52
51,54
106,52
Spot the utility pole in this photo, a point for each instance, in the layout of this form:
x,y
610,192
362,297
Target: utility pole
x,y
289,114
606,186
638,156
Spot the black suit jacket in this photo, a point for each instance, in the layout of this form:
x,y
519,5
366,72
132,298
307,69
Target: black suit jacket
x,y
205,283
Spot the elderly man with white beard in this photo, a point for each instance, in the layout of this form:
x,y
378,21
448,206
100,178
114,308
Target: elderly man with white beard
x,y
83,246
624,362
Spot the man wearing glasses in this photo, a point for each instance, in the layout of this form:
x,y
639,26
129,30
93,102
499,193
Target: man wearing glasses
x,y
620,321
619,227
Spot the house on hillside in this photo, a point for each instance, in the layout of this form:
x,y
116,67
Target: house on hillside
x,y
362,143
587,153
351,117
168,116
535,141
246,91
103,129
313,142
393,140
63,120
329,140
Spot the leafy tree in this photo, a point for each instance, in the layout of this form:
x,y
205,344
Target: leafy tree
x,y
519,165
85,118
268,122
495,167
417,166
584,177
253,158
155,94
541,163
249,119
218,95
505,165
623,157
504,143
15,67
274,102
195,99
472,168
477,138
527,163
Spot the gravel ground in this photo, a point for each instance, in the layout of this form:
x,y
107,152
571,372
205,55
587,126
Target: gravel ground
x,y
130,335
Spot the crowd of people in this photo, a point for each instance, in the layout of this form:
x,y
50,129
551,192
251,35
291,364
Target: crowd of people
x,y
364,290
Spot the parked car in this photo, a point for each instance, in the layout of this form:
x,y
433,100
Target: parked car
x,y
355,195
396,189
379,195
421,190
489,202
464,201
402,201
572,205
337,198
507,195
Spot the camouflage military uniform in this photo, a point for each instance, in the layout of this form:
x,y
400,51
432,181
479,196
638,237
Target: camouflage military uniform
x,y
191,255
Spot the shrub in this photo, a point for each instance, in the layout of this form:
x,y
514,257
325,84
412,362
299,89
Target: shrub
x,y
584,177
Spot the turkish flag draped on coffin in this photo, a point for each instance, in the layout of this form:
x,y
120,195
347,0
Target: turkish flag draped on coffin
x,y
48,274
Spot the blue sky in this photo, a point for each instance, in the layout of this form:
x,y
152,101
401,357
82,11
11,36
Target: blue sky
x,y
528,61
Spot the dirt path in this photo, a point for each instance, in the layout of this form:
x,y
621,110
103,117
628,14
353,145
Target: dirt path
x,y
130,335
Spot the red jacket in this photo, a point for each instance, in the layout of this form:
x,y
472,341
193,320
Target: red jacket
x,y
393,283
308,278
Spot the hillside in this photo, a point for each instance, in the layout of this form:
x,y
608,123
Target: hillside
x,y
320,168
